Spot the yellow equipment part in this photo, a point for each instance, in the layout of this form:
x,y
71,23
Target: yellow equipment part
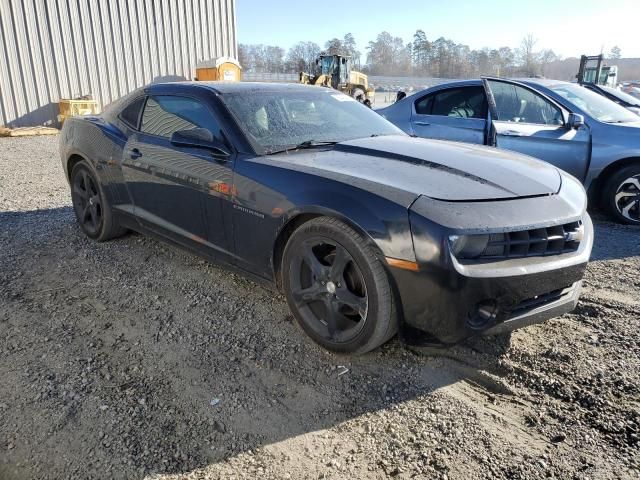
x,y
355,85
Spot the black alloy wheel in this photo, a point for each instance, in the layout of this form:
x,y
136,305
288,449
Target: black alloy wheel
x,y
87,202
337,287
329,290
90,205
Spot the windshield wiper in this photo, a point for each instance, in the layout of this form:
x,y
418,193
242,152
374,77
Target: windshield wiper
x,y
302,146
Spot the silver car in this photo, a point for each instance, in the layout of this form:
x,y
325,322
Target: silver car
x,y
579,131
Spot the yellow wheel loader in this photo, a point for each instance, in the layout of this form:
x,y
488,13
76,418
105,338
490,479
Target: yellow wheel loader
x,y
334,71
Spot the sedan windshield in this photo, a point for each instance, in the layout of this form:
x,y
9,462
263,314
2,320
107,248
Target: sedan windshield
x,y
597,106
276,120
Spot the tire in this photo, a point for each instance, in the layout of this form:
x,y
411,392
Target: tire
x,y
621,195
90,204
359,95
338,288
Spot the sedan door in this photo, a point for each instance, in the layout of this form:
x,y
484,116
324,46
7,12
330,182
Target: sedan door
x,y
181,192
457,114
525,121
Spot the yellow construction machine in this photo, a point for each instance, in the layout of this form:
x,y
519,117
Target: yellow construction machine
x,y
335,71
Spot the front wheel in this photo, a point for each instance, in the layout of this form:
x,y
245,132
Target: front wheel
x,y
337,287
359,95
621,195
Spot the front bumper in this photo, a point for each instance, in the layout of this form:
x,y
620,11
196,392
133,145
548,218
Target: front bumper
x,y
445,301
557,304
443,308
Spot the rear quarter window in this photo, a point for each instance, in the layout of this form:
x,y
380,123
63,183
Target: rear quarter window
x,y
131,113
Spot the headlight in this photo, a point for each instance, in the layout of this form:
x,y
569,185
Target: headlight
x,y
468,246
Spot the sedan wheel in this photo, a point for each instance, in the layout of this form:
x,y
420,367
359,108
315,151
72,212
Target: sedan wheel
x,y
621,195
337,287
628,198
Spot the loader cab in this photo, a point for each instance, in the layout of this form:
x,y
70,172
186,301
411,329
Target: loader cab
x,y
337,67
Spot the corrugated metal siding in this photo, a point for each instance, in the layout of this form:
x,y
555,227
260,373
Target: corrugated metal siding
x,y
53,49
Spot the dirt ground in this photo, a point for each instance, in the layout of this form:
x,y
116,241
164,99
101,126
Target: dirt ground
x,y
133,359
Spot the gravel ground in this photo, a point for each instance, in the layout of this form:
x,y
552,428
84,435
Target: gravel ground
x,y
133,359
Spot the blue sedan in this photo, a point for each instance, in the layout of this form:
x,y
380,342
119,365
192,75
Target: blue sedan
x,y
579,131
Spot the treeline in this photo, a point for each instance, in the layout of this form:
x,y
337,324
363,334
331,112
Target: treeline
x,y
389,55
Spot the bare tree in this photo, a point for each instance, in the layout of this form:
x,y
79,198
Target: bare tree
x,y
389,55
334,47
546,57
615,53
302,57
528,57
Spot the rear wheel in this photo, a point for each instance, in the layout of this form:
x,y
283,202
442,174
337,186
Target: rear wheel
x,y
621,195
337,287
90,205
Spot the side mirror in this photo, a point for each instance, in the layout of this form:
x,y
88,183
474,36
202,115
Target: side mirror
x,y
575,121
200,138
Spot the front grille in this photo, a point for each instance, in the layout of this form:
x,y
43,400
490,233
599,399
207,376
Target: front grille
x,y
531,243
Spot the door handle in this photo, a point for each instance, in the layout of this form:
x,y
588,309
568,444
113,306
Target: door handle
x,y
424,124
135,153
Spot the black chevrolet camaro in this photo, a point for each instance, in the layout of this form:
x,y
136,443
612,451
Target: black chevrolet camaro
x,y
366,230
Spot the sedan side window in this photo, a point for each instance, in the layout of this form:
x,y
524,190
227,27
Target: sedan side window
x,y
520,105
423,105
465,102
166,114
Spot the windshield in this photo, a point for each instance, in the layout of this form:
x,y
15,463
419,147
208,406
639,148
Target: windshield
x,y
281,119
625,97
328,65
596,105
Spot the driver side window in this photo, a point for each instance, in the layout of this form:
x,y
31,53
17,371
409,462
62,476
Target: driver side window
x,y
520,105
164,115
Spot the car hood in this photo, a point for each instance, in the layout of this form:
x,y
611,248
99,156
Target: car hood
x,y
441,170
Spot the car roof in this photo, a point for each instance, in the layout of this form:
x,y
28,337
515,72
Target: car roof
x,y
457,83
543,82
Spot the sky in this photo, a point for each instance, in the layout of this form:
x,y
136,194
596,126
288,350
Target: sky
x,y
569,27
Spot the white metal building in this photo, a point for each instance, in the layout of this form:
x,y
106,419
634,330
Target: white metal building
x,y
55,49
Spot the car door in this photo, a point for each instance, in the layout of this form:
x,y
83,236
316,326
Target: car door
x,y
528,122
457,114
178,191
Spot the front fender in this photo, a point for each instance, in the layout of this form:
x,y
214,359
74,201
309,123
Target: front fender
x,y
384,223
268,198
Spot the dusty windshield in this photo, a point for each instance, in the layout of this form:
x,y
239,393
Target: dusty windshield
x,y
596,105
275,120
